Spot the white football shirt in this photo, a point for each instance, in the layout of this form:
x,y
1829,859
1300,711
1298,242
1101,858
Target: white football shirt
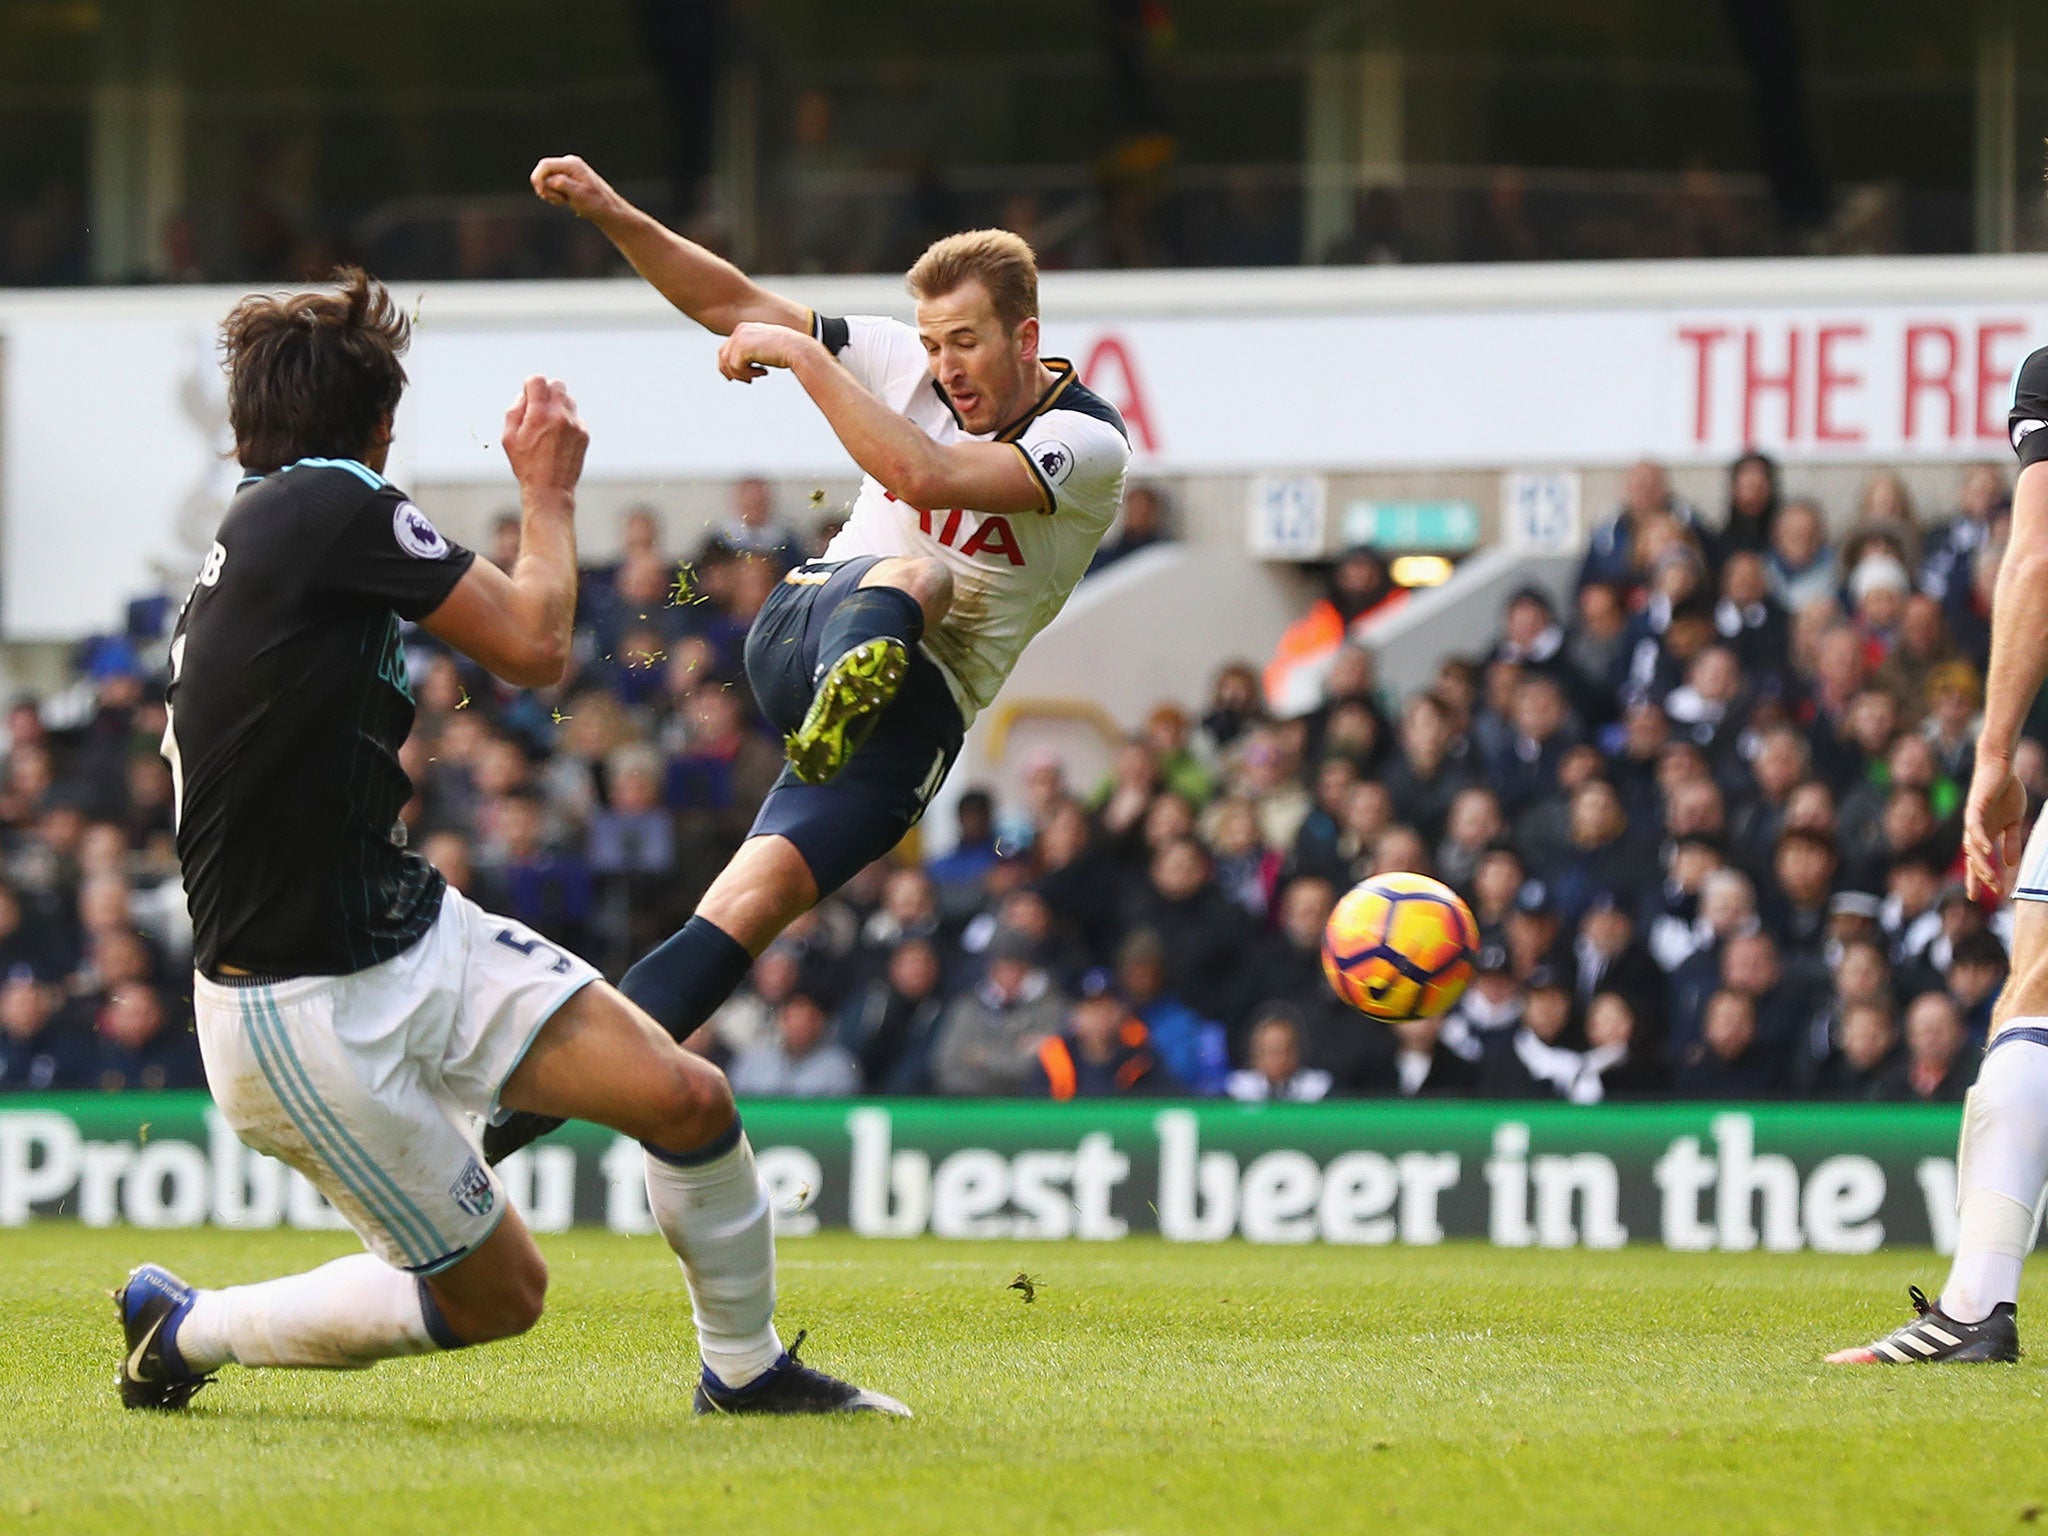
x,y
1011,573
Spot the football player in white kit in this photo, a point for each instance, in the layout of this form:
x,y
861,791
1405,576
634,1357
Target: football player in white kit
x,y
2002,1163
992,474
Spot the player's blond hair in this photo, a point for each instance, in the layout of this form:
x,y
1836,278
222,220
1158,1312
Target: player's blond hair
x,y
995,258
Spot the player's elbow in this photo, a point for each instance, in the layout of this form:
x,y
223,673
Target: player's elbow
x,y
2024,567
533,660
917,480
546,662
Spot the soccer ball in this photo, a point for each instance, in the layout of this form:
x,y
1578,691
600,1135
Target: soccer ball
x,y
1400,947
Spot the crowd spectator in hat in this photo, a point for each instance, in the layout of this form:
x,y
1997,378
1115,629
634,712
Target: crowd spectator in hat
x,y
988,1040
1535,936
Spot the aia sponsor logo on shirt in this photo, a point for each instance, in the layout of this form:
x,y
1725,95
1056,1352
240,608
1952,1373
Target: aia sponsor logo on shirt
x,y
974,534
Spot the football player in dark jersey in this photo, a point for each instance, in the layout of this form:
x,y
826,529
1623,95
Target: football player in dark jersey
x,y
354,1012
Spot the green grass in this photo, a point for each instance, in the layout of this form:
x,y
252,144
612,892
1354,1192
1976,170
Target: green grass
x,y
1150,1387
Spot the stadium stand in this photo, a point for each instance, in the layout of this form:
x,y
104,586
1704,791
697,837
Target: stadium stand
x,y
1706,813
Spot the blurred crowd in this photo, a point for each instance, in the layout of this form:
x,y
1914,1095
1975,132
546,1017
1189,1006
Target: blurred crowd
x,y
835,210
1704,806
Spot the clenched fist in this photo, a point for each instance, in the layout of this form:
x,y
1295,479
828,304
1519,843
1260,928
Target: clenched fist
x,y
567,181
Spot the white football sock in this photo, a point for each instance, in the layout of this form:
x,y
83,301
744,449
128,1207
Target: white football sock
x,y
715,1216
340,1317
2001,1169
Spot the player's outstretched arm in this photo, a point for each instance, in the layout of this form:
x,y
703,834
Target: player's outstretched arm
x,y
1997,804
708,288
989,477
518,625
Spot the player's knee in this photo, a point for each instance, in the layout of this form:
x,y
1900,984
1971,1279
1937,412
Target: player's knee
x,y
931,584
524,1300
693,1103
512,1305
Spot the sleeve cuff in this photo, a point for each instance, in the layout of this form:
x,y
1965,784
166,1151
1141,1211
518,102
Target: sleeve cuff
x,y
832,331
2033,448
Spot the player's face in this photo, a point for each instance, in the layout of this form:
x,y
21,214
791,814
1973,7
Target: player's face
x,y
987,369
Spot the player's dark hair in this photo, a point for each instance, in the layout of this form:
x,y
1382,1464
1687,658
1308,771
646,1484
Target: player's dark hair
x,y
313,375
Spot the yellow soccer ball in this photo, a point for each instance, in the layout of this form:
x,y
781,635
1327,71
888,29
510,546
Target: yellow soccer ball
x,y
1400,947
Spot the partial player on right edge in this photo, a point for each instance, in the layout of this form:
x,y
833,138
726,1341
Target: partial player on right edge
x,y
2002,1163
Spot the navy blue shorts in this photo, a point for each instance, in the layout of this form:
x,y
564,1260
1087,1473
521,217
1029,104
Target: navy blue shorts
x,y
842,827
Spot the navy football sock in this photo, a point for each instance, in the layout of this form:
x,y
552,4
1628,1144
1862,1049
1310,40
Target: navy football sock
x,y
683,979
869,613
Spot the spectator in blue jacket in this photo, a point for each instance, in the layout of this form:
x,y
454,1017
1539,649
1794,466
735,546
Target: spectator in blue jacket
x,y
1193,1048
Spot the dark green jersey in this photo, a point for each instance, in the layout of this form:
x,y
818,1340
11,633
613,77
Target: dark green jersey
x,y
289,701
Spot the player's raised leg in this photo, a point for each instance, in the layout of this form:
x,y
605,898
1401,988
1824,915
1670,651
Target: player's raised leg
x,y
808,839
863,657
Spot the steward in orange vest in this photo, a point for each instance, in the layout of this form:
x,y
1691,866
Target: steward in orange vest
x,y
1105,1052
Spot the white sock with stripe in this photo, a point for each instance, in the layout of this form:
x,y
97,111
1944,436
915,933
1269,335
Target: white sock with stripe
x,y
2001,1169
342,1316
713,1208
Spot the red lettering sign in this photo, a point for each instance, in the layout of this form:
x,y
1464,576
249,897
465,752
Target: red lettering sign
x,y
1827,381
1702,339
1994,374
1130,399
1922,376
1756,383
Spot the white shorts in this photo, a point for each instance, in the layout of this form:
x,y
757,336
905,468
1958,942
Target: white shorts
x,y
2033,881
366,1083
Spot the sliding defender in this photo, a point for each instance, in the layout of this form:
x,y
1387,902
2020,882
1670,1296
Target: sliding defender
x,y
354,1012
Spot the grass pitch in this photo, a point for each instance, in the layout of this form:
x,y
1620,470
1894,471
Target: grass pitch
x,y
1149,1387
